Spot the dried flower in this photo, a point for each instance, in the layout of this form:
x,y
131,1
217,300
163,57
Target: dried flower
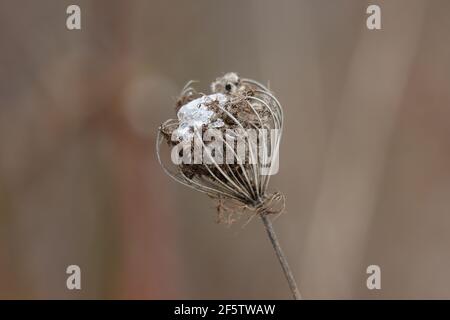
x,y
242,110
226,145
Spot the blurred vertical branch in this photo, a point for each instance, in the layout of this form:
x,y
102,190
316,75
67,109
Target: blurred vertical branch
x,y
70,203
378,73
145,270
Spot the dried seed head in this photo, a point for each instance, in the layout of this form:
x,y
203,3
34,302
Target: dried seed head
x,y
237,116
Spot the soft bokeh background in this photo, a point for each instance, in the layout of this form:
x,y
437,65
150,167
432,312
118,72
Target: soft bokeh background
x,y
365,160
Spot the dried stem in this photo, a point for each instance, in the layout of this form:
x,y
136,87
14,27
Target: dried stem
x,y
281,257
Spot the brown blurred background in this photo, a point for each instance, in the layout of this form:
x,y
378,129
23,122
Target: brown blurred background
x,y
365,159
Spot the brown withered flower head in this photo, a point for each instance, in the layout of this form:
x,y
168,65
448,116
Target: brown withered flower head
x,y
226,143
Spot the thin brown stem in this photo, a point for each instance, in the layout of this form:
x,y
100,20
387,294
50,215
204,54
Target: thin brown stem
x,y
281,257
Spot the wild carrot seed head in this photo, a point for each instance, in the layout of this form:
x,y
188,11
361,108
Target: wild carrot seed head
x,y
228,141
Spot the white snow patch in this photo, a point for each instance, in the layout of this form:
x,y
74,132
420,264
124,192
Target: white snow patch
x,y
193,115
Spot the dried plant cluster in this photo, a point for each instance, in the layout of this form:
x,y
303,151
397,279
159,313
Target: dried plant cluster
x,y
236,107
